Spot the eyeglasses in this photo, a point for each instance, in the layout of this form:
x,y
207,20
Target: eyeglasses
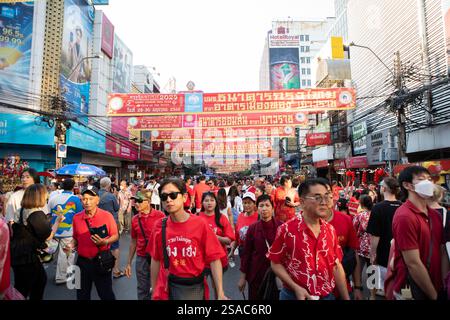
x,y
318,198
172,195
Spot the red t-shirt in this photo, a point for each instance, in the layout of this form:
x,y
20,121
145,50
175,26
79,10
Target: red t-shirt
x,y
346,234
86,247
241,227
190,192
191,246
411,230
226,232
310,261
199,190
5,257
282,211
148,223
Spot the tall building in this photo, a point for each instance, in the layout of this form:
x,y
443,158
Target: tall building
x,y
146,80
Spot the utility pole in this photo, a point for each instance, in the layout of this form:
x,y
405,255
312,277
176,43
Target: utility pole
x,y
400,108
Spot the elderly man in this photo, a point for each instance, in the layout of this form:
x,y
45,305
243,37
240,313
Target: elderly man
x,y
108,202
94,230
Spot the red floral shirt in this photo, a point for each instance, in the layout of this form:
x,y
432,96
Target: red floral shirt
x,y
360,222
310,261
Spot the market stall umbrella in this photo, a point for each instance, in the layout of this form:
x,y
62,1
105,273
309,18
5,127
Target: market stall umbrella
x,y
80,169
46,174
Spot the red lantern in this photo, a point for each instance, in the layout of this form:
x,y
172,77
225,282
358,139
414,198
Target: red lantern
x,y
364,177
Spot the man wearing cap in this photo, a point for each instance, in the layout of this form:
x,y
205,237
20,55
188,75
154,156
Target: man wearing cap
x,y
141,232
244,220
88,245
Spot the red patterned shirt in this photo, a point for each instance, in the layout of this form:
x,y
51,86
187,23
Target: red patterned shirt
x,y
360,222
309,261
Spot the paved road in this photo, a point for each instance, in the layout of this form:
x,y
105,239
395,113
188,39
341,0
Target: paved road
x,y
124,288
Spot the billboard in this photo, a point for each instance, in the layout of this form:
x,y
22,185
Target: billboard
x,y
446,15
122,67
257,119
25,129
16,35
311,100
359,132
107,36
121,149
284,41
77,44
284,68
81,137
318,139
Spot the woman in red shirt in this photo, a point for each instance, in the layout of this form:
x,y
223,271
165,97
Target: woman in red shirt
x,y
286,200
219,224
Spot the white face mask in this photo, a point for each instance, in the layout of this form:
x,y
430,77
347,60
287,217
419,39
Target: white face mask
x,y
424,188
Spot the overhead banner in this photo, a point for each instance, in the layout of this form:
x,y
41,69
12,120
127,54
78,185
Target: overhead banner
x,y
318,139
192,147
311,100
222,133
256,119
16,35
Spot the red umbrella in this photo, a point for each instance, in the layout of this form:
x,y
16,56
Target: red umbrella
x,y
46,174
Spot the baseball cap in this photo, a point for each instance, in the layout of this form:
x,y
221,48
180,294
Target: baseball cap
x,y
250,195
92,191
141,196
251,189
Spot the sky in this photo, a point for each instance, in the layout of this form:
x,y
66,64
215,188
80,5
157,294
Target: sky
x,y
216,44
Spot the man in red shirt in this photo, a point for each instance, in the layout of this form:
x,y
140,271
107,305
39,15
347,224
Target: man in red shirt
x,y
420,258
199,190
306,254
89,241
188,247
188,205
141,232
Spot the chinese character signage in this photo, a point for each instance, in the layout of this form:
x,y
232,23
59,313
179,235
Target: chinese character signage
x,y
318,139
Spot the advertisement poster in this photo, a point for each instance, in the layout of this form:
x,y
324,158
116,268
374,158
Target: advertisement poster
x,y
16,35
446,15
284,68
123,67
310,100
77,46
121,149
359,132
107,36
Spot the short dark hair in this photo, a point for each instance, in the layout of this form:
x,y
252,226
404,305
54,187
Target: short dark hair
x,y
33,173
366,201
230,181
264,197
407,175
392,185
304,187
202,178
68,184
177,182
325,181
186,178
284,179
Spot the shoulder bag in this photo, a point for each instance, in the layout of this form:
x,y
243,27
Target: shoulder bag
x,y
147,255
104,260
182,288
23,244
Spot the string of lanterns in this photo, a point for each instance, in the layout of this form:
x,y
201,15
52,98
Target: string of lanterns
x,y
378,173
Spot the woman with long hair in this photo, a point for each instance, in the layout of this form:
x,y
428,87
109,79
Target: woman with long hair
x,y
219,224
236,203
225,205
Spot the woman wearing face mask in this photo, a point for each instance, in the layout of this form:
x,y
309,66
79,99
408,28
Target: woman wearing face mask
x,y
417,229
219,224
260,236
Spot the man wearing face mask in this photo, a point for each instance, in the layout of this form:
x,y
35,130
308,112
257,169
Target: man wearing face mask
x,y
419,256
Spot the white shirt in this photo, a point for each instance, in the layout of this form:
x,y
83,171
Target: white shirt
x,y
14,204
225,211
54,193
155,193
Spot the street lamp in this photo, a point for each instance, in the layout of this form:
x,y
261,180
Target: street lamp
x,y
352,44
81,61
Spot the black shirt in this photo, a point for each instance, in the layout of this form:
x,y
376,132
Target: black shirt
x,y
380,225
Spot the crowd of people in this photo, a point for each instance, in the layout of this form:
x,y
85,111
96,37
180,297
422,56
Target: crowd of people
x,y
295,240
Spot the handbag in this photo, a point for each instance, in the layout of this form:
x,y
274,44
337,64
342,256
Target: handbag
x,y
24,246
104,260
147,255
348,261
192,288
268,289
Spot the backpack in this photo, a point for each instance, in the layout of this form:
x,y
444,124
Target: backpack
x,y
24,245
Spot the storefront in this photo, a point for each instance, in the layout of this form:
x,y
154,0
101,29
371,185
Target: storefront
x,y
321,160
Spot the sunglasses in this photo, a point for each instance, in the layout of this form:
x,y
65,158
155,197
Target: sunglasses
x,y
172,195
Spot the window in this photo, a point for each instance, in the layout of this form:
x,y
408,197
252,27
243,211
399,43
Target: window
x,y
302,48
302,59
308,60
303,71
304,83
306,49
308,71
307,37
302,38
309,83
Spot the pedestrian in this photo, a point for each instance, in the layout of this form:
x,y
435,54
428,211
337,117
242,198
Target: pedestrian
x,y
418,240
5,259
189,204
28,177
124,215
229,184
183,245
153,187
220,225
260,236
360,222
244,220
66,205
94,230
308,240
435,203
225,205
54,189
286,200
142,226
235,202
259,191
380,226
108,202
30,230
200,188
